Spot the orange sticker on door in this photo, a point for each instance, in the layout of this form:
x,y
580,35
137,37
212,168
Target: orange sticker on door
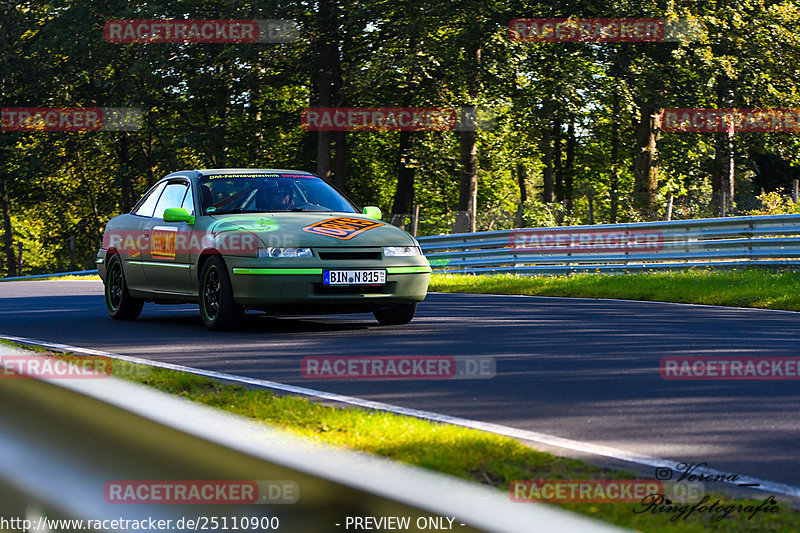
x,y
162,243
344,228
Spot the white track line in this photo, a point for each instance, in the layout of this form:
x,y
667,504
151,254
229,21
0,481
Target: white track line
x,y
550,440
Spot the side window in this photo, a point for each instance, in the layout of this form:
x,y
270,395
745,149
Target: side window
x,y
147,204
188,203
171,197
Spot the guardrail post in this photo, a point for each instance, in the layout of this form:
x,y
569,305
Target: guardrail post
x,y
795,190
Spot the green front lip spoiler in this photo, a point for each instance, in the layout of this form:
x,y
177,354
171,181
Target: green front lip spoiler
x,y
318,271
409,270
278,271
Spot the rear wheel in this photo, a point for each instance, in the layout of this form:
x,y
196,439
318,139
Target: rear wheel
x,y
218,310
119,303
401,314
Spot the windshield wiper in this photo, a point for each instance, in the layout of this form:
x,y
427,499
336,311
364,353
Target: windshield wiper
x,y
227,211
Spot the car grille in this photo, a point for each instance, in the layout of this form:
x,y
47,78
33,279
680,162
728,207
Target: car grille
x,y
348,256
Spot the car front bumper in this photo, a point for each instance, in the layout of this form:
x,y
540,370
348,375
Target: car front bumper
x,y
271,287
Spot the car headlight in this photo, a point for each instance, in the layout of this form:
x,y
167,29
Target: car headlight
x,y
401,251
285,252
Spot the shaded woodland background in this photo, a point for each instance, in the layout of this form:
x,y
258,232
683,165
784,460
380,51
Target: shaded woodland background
x,y
574,141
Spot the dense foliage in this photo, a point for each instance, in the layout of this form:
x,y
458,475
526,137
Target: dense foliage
x,y
571,140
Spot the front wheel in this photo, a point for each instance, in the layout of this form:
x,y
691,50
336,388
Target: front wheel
x,y
401,314
119,303
218,310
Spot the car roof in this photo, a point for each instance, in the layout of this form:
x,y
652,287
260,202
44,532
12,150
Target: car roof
x,y
233,171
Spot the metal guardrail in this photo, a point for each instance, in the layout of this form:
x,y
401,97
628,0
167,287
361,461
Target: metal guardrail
x,y
56,275
767,241
63,440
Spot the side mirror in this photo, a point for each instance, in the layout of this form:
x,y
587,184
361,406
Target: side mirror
x,y
372,212
178,214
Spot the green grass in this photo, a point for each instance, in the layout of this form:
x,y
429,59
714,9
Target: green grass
x,y
741,288
26,347
469,454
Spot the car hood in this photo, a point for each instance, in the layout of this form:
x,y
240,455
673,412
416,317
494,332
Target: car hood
x,y
313,229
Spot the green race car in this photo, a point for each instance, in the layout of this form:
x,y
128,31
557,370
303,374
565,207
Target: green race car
x,y
280,241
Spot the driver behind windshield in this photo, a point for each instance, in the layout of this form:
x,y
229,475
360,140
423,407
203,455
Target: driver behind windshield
x,y
279,198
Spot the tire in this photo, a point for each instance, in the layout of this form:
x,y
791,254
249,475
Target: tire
x,y
119,303
218,310
401,314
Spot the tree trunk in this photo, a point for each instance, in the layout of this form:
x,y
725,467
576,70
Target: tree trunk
x,y
722,182
220,130
404,194
723,167
340,138
327,50
613,188
724,164
124,176
468,183
522,177
569,164
8,238
149,149
340,176
646,164
547,159
468,179
85,185
557,167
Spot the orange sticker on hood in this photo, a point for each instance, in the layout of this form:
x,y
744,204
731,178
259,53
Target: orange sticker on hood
x,y
344,228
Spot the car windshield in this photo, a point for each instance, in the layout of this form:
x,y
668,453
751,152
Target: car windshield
x,y
259,193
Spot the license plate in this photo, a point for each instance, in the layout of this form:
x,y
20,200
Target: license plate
x,y
354,277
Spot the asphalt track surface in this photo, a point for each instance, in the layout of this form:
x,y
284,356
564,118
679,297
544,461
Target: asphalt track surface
x,y
580,369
